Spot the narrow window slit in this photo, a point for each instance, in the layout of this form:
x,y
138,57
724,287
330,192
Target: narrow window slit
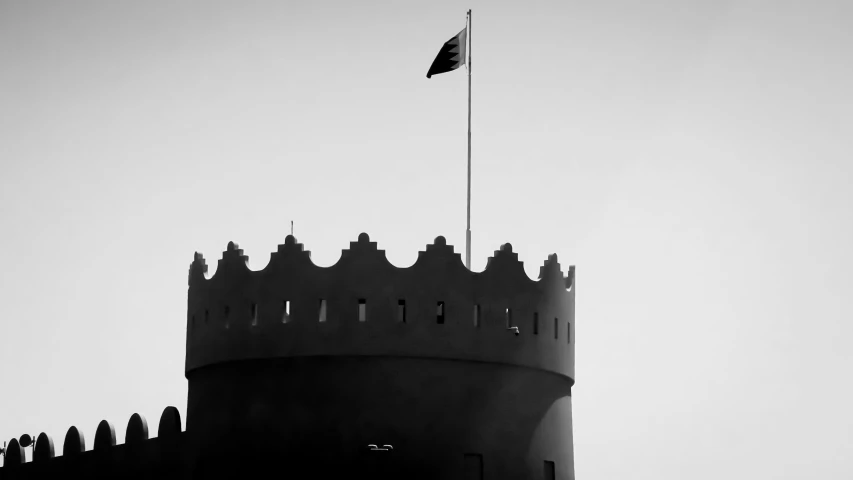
x,y
556,328
254,314
550,470
477,316
569,332
536,323
401,311
285,316
362,310
322,310
439,314
227,312
508,318
206,316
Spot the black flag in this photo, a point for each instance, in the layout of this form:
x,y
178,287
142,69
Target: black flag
x,y
451,56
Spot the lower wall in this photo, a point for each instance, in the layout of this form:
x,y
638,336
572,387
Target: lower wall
x,y
315,416
318,414
155,458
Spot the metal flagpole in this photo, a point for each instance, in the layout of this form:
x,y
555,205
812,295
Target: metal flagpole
x,y
468,231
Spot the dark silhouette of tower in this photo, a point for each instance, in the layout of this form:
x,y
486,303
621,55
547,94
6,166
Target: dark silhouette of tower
x,y
300,371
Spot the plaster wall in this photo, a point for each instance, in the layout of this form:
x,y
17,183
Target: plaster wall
x,y
317,414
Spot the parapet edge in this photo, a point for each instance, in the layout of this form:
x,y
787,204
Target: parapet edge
x,y
503,262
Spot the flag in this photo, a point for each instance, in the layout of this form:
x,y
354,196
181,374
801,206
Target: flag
x,y
451,56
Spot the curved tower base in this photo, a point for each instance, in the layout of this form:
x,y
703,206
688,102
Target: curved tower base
x,y
443,419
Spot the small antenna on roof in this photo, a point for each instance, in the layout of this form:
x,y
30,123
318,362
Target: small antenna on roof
x,y
291,228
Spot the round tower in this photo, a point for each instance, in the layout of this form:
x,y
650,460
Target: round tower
x,y
431,371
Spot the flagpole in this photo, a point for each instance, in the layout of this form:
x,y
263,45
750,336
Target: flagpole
x,y
468,231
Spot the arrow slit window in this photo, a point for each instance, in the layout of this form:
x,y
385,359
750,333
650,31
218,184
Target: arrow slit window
x,y
401,311
285,316
322,312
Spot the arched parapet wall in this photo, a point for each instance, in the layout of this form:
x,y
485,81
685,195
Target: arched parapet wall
x,y
44,449
170,423
137,430
105,436
138,457
435,308
14,454
74,444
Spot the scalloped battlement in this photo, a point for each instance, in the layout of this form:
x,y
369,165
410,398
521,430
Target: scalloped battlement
x,y
106,458
365,306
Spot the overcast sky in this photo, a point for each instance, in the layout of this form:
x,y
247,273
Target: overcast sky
x,y
692,158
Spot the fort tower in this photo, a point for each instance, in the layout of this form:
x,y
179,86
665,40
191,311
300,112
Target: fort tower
x,y
293,370
313,364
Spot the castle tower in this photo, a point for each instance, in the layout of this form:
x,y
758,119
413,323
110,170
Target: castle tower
x,y
298,368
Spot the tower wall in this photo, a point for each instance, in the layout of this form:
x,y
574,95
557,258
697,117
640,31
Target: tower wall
x,y
433,383
238,314
317,414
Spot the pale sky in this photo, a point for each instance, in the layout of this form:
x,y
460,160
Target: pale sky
x,y
692,158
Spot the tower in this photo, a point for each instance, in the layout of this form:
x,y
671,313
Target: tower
x,y
298,368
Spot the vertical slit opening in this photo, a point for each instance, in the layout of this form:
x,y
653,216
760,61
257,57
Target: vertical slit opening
x,y
536,323
556,328
477,316
569,332
508,318
206,316
401,311
285,316
550,471
439,314
227,313
322,313
254,314
362,310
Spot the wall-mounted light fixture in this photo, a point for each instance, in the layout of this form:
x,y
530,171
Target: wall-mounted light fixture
x,y
383,448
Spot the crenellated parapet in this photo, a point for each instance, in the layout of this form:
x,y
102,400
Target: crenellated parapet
x,y
106,456
365,306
